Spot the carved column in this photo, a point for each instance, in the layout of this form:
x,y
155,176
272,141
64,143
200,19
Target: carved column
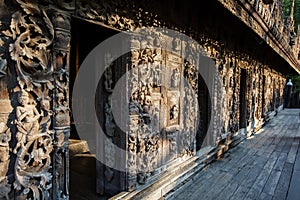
x,y
34,45
26,40
61,115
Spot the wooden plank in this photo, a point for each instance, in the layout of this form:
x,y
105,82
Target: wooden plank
x,y
265,196
297,162
200,184
271,184
240,193
258,168
217,187
293,151
283,183
261,180
293,192
207,186
227,192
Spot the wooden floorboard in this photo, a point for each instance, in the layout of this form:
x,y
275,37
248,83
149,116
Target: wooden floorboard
x,y
265,166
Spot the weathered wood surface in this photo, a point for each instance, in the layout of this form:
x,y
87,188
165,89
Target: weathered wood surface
x,y
265,166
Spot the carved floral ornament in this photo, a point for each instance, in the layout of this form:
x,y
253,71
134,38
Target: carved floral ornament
x,y
120,14
29,36
26,42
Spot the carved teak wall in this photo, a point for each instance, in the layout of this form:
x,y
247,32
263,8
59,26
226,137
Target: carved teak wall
x,y
34,97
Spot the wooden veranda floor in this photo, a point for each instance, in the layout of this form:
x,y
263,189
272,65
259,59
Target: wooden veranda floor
x,y
265,166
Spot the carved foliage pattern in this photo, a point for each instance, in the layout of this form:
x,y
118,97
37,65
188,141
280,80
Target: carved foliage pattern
x,y
30,35
26,42
27,39
123,15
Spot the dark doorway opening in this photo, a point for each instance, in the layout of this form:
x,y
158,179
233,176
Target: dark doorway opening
x,y
263,96
85,37
243,104
204,103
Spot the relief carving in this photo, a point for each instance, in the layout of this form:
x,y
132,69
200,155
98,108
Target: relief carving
x,y
28,38
33,148
3,64
27,121
30,35
5,137
175,78
119,14
62,110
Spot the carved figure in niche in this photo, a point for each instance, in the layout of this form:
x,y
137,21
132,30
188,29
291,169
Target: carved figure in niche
x,y
155,118
175,78
46,113
146,53
157,51
174,112
135,52
145,74
176,44
62,88
157,58
27,118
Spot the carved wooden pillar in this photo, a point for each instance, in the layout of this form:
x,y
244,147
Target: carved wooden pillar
x,y
26,39
34,49
61,114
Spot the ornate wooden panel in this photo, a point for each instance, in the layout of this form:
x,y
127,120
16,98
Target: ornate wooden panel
x,y
161,93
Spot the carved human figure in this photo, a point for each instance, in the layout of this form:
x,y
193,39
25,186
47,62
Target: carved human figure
x,y
176,44
174,112
27,118
146,52
46,113
175,78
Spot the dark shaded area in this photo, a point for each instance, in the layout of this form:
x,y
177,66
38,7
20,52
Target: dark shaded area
x,y
85,37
